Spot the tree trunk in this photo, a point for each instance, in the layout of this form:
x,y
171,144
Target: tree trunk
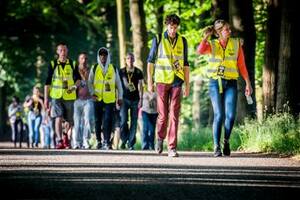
x,y
284,86
121,31
160,19
197,83
241,18
139,33
3,112
220,9
271,57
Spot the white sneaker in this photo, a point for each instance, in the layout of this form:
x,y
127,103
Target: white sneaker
x,y
172,153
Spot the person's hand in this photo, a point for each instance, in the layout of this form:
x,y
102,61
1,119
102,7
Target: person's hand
x,y
94,97
120,101
140,103
186,91
208,31
248,89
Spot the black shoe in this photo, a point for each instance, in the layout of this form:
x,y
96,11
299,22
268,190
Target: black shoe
x,y
99,145
226,148
217,151
159,146
123,145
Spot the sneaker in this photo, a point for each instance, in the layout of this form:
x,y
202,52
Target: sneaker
x,y
99,145
106,147
159,146
172,153
226,148
123,146
131,148
217,151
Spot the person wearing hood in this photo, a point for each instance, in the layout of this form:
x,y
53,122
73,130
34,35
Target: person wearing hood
x,y
104,82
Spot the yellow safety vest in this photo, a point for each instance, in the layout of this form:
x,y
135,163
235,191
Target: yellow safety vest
x,y
105,85
167,55
59,75
223,62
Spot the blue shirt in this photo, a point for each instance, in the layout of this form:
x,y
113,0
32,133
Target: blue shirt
x,y
153,54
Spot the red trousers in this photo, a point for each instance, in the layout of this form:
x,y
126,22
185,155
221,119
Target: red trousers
x,y
168,107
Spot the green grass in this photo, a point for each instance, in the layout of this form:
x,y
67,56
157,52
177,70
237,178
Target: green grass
x,y
279,133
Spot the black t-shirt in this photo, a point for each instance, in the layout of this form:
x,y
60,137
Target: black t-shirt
x,y
134,77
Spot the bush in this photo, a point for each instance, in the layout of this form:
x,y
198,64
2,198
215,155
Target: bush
x,y
279,133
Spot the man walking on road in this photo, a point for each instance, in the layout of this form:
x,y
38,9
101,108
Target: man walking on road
x,y
60,84
170,51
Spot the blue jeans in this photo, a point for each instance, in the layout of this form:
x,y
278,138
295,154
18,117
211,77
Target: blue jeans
x,y
126,133
224,105
83,122
149,123
34,123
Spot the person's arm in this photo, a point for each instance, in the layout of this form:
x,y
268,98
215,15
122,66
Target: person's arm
x,y
119,87
204,46
150,70
90,82
186,69
150,66
141,91
47,85
11,111
243,71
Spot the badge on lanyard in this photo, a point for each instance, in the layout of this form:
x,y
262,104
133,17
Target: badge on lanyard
x,y
107,87
221,70
131,87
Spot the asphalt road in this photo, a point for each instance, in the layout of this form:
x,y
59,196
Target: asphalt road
x,y
93,174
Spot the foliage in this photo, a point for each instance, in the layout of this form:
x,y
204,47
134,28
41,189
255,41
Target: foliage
x,y
279,133
260,18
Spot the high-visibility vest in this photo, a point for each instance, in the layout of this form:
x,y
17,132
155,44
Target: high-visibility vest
x,y
105,84
59,76
224,59
167,55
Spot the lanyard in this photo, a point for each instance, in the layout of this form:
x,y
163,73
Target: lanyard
x,y
129,75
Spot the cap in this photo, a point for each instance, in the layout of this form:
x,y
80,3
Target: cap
x,y
103,52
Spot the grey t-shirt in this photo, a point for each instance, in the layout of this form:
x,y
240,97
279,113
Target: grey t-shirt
x,y
149,102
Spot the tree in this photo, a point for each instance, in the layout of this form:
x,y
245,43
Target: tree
x,y
241,18
271,56
139,33
121,31
287,63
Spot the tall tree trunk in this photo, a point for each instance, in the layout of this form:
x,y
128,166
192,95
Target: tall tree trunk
x,y
271,57
2,112
220,9
241,18
284,88
160,19
197,83
139,33
121,31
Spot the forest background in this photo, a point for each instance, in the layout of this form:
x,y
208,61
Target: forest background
x,y
31,29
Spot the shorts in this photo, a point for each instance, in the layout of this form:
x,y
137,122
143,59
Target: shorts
x,y
62,108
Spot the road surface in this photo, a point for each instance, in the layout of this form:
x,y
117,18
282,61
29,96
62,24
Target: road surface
x,y
94,174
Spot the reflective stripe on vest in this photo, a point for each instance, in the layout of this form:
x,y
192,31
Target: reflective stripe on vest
x,y
226,58
108,96
166,57
59,74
